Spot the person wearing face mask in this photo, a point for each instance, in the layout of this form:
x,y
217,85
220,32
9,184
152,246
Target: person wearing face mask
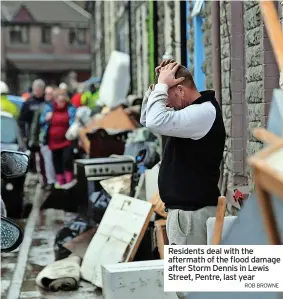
x,y
190,167
55,120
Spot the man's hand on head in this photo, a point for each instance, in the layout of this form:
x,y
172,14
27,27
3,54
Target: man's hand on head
x,y
167,75
162,64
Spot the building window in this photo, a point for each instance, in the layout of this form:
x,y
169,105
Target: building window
x,y
46,35
19,34
77,36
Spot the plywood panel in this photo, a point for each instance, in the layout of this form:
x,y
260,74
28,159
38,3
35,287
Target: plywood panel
x,y
118,236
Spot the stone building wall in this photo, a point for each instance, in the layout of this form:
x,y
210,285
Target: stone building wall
x,y
190,41
225,29
207,41
160,30
254,74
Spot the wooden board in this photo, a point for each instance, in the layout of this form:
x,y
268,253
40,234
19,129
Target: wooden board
x,y
118,236
137,280
161,236
274,29
159,206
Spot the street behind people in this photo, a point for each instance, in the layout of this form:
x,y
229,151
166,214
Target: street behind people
x,y
56,120
44,149
6,104
27,112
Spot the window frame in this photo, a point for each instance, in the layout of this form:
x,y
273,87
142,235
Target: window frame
x,y
43,36
23,30
76,41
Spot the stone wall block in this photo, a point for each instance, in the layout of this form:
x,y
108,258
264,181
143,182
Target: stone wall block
x,y
254,92
254,74
253,37
254,56
253,17
255,112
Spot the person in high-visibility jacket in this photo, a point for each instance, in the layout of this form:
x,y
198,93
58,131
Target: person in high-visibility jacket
x,y
6,105
90,97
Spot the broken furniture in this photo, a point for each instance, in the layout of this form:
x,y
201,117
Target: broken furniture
x,y
104,143
137,280
268,176
114,121
118,236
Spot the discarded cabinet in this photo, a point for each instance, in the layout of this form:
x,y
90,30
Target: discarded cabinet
x,y
137,280
116,120
118,236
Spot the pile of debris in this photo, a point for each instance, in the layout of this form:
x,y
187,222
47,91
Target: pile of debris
x,y
120,216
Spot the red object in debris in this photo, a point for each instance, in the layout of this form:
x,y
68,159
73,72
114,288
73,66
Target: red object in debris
x,y
238,196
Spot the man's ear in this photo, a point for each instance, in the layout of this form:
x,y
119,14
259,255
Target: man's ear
x,y
181,89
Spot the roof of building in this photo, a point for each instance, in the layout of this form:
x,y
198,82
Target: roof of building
x,y
43,11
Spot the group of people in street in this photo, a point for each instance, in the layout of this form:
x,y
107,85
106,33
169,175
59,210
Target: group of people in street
x,y
44,119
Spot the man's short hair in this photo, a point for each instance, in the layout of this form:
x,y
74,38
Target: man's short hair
x,y
182,72
38,83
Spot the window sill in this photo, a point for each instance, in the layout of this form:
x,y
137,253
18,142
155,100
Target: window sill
x,y
46,46
19,45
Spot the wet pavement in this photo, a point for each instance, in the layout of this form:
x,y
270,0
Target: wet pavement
x,y
35,254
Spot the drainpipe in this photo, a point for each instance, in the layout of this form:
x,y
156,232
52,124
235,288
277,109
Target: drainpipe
x,y
216,71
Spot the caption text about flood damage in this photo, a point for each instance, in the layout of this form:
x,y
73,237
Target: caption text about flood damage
x,y
223,268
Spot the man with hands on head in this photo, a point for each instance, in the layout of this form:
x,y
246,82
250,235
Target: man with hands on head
x,y
190,167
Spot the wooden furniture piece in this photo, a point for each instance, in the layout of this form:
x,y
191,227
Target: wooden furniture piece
x,y
117,119
268,176
159,206
274,29
118,236
161,236
103,143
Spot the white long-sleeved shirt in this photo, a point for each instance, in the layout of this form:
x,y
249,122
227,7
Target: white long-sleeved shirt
x,y
194,121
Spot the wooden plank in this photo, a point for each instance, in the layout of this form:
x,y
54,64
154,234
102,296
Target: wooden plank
x,y
138,280
161,236
159,206
118,236
267,212
271,21
220,213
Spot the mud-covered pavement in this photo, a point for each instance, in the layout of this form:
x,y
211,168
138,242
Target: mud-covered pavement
x,y
20,268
